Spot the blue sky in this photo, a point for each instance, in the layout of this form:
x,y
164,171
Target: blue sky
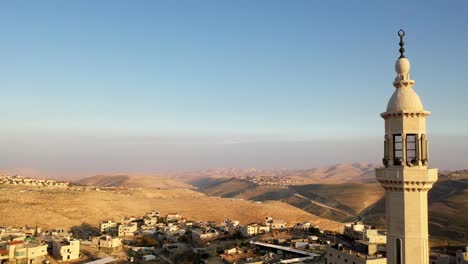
x,y
156,85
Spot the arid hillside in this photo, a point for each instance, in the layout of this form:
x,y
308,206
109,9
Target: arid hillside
x,y
335,174
448,206
340,202
209,195
53,207
133,181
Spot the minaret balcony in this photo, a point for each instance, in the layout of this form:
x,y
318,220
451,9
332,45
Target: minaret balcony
x,y
409,179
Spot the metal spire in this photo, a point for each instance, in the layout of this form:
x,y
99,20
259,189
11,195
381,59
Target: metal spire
x,y
401,34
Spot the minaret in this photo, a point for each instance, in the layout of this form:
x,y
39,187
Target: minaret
x,y
405,177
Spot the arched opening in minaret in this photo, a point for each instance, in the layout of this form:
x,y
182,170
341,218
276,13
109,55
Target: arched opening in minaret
x,y
411,149
397,150
398,251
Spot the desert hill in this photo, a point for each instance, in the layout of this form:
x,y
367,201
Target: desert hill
x,y
339,173
53,207
341,202
448,209
343,193
133,181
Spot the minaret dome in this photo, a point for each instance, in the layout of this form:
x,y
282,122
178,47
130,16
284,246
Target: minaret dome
x,y
404,99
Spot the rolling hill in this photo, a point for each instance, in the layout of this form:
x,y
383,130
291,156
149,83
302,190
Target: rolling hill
x,y
448,207
59,207
335,174
344,193
133,181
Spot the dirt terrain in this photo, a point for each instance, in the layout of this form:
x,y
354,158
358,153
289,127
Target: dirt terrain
x,y
448,207
52,208
133,181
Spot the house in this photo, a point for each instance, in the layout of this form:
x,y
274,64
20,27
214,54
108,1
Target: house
x,y
150,219
66,249
302,226
254,229
149,222
355,230
277,224
108,227
375,236
59,232
274,223
11,232
230,226
106,242
127,229
204,235
301,244
173,217
19,251
129,219
337,254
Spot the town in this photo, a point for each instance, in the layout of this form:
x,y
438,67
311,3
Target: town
x,y
171,238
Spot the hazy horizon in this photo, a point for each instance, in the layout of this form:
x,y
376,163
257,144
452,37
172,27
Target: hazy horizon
x,y
134,156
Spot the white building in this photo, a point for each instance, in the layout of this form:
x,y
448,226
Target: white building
x,y
303,226
66,250
375,236
150,219
108,227
128,229
204,235
274,223
356,230
278,224
173,217
338,255
230,226
23,252
129,219
106,241
254,229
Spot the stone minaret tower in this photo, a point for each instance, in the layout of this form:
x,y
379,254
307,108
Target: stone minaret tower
x,y
406,178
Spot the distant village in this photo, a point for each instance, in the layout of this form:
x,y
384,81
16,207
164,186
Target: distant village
x,y
20,180
273,180
172,238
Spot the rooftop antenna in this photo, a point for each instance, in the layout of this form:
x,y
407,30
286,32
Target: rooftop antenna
x,y
401,34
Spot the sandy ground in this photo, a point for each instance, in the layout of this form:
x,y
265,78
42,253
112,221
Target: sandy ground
x,y
52,208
